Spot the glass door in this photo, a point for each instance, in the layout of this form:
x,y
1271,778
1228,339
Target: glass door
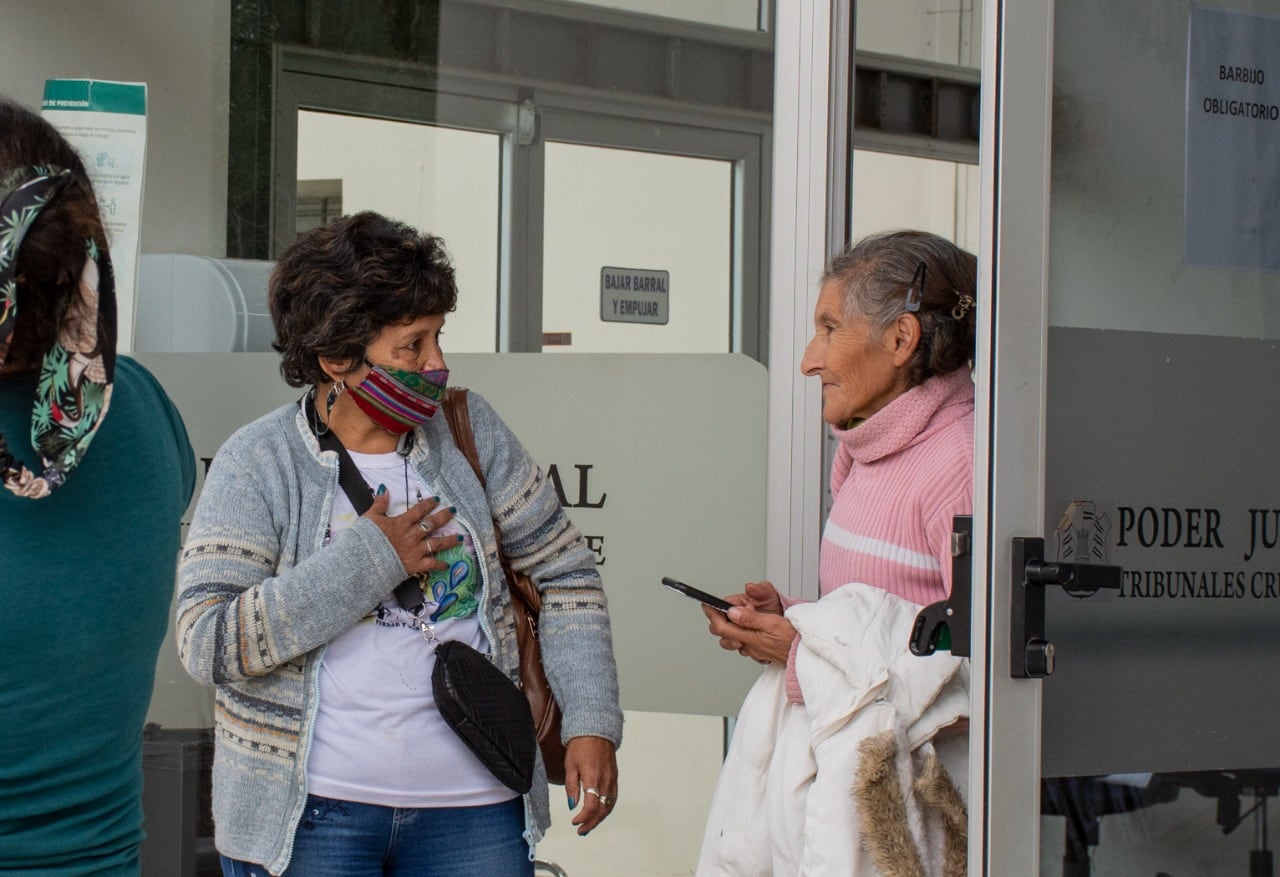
x,y
441,160
447,180
578,223
1128,255
653,238
615,258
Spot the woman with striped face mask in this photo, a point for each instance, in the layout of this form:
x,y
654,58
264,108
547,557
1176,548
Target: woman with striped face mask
x,y
337,544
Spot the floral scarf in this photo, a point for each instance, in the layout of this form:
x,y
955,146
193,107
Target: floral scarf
x,y
74,390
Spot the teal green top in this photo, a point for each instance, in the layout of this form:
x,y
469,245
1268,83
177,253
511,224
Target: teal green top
x,y
86,579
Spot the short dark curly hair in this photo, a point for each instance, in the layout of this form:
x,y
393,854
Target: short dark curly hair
x,y
337,286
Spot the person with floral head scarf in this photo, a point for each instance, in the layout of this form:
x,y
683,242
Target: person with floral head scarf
x,y
77,370
89,523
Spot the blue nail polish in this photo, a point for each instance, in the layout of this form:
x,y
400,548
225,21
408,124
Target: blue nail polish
x,y
382,488
572,801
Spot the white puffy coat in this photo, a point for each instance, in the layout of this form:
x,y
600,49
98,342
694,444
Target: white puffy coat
x,y
788,799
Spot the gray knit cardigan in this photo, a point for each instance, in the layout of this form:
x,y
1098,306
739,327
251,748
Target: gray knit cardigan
x,y
259,596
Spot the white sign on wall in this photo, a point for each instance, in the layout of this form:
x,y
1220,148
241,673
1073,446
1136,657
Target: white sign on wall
x,y
107,124
1233,140
634,295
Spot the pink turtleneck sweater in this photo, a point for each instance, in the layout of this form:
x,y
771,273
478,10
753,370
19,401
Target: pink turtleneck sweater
x,y
897,480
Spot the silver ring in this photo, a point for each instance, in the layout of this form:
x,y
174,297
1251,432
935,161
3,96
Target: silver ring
x,y
422,525
604,799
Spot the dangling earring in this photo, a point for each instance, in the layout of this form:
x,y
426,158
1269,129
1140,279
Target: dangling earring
x,y
322,426
336,390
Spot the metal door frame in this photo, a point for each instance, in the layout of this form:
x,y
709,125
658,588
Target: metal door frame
x,y
325,81
1005,743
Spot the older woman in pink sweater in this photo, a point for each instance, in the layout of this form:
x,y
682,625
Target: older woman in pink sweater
x,y
892,345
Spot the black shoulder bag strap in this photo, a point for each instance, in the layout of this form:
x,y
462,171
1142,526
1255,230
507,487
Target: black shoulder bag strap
x,y
408,593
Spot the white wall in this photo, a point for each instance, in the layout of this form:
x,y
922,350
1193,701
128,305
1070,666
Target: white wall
x,y
899,191
182,51
446,183
626,209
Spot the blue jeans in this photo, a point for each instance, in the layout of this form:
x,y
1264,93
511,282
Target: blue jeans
x,y
343,839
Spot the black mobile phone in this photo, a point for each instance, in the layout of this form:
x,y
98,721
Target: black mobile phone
x,y
701,596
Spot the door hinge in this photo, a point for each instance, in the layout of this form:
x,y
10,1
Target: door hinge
x,y
527,123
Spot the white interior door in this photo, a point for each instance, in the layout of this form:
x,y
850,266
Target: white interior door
x,y
547,199
638,252
446,180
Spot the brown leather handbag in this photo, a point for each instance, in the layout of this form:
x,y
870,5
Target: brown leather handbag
x,y
526,603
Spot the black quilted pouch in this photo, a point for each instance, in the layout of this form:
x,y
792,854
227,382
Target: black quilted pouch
x,y
487,711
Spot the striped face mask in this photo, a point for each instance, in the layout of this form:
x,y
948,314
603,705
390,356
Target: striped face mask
x,y
399,400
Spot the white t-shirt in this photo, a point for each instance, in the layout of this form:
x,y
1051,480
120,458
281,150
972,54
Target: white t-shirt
x,y
378,737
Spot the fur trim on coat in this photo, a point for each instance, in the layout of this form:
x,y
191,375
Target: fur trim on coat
x,y
891,822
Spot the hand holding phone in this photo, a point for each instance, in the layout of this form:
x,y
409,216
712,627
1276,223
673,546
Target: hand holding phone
x,y
701,596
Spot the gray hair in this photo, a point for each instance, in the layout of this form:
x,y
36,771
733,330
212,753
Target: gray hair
x,y
874,275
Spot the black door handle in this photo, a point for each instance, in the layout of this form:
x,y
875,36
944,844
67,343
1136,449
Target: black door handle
x,y
1031,656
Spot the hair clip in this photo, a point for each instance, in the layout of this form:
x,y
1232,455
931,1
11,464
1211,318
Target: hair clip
x,y
915,292
962,306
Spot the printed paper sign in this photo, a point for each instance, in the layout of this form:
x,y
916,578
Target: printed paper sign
x,y
634,295
1233,135
107,124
